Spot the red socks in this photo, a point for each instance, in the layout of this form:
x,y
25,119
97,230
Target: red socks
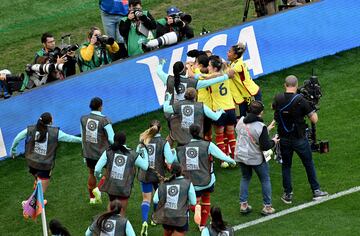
x,y
205,208
231,141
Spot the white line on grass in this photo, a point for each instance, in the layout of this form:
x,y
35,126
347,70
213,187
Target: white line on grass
x,y
297,208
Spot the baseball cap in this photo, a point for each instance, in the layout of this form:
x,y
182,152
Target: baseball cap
x,y
172,10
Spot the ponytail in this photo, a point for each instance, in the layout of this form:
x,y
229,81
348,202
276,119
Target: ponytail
x,y
42,126
217,222
178,69
114,209
56,228
119,142
195,131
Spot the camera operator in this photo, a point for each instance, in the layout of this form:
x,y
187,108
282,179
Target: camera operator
x,y
51,54
290,111
96,51
172,29
137,28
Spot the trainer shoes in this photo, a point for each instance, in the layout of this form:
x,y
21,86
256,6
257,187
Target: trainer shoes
x,y
287,198
245,208
197,215
97,195
224,165
318,194
92,201
144,229
267,210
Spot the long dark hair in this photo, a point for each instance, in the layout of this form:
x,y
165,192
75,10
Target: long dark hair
x,y
56,228
178,69
119,142
42,126
114,209
217,222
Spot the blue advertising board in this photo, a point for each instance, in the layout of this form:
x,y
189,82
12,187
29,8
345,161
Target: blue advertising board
x,y
131,87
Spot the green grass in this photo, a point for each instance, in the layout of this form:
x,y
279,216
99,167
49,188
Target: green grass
x,y
23,22
67,194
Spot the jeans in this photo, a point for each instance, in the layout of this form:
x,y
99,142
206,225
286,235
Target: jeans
x,y
302,148
262,172
111,26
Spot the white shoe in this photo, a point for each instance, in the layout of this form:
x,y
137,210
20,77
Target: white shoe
x,y
224,165
97,195
92,201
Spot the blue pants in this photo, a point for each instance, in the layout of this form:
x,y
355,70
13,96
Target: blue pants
x,y
111,26
262,171
302,148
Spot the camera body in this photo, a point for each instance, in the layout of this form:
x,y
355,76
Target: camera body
x,y
311,90
137,12
104,39
180,17
59,52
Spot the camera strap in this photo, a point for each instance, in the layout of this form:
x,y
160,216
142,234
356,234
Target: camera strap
x,y
281,118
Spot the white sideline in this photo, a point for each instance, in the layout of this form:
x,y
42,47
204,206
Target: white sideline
x,y
297,208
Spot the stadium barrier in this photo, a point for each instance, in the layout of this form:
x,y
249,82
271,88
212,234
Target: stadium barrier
x,y
131,87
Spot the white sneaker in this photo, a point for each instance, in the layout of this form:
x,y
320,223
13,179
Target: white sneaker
x,y
92,201
224,165
97,195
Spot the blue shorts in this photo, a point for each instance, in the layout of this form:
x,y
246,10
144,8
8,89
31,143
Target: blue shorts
x,y
227,118
148,187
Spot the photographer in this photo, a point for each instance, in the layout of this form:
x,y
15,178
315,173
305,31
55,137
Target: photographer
x,y
137,28
9,83
96,51
52,54
290,111
172,29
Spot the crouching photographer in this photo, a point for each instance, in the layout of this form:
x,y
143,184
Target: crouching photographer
x,y
173,28
9,83
96,51
51,63
290,110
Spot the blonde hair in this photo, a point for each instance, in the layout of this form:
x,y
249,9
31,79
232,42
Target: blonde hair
x,y
147,135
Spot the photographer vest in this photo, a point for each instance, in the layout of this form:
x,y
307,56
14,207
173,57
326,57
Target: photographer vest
x,y
247,149
176,97
194,160
289,115
229,231
186,113
173,205
38,155
156,161
94,136
115,225
114,7
136,39
98,59
120,173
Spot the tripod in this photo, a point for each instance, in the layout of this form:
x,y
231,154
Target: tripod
x,y
259,8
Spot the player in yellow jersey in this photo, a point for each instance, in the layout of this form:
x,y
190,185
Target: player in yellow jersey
x,y
241,84
222,99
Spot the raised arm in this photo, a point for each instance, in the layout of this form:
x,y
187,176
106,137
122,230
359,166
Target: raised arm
x,y
160,72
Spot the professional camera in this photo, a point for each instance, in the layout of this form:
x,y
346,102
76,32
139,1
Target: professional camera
x,y
104,39
311,90
180,17
13,82
138,12
43,69
59,52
